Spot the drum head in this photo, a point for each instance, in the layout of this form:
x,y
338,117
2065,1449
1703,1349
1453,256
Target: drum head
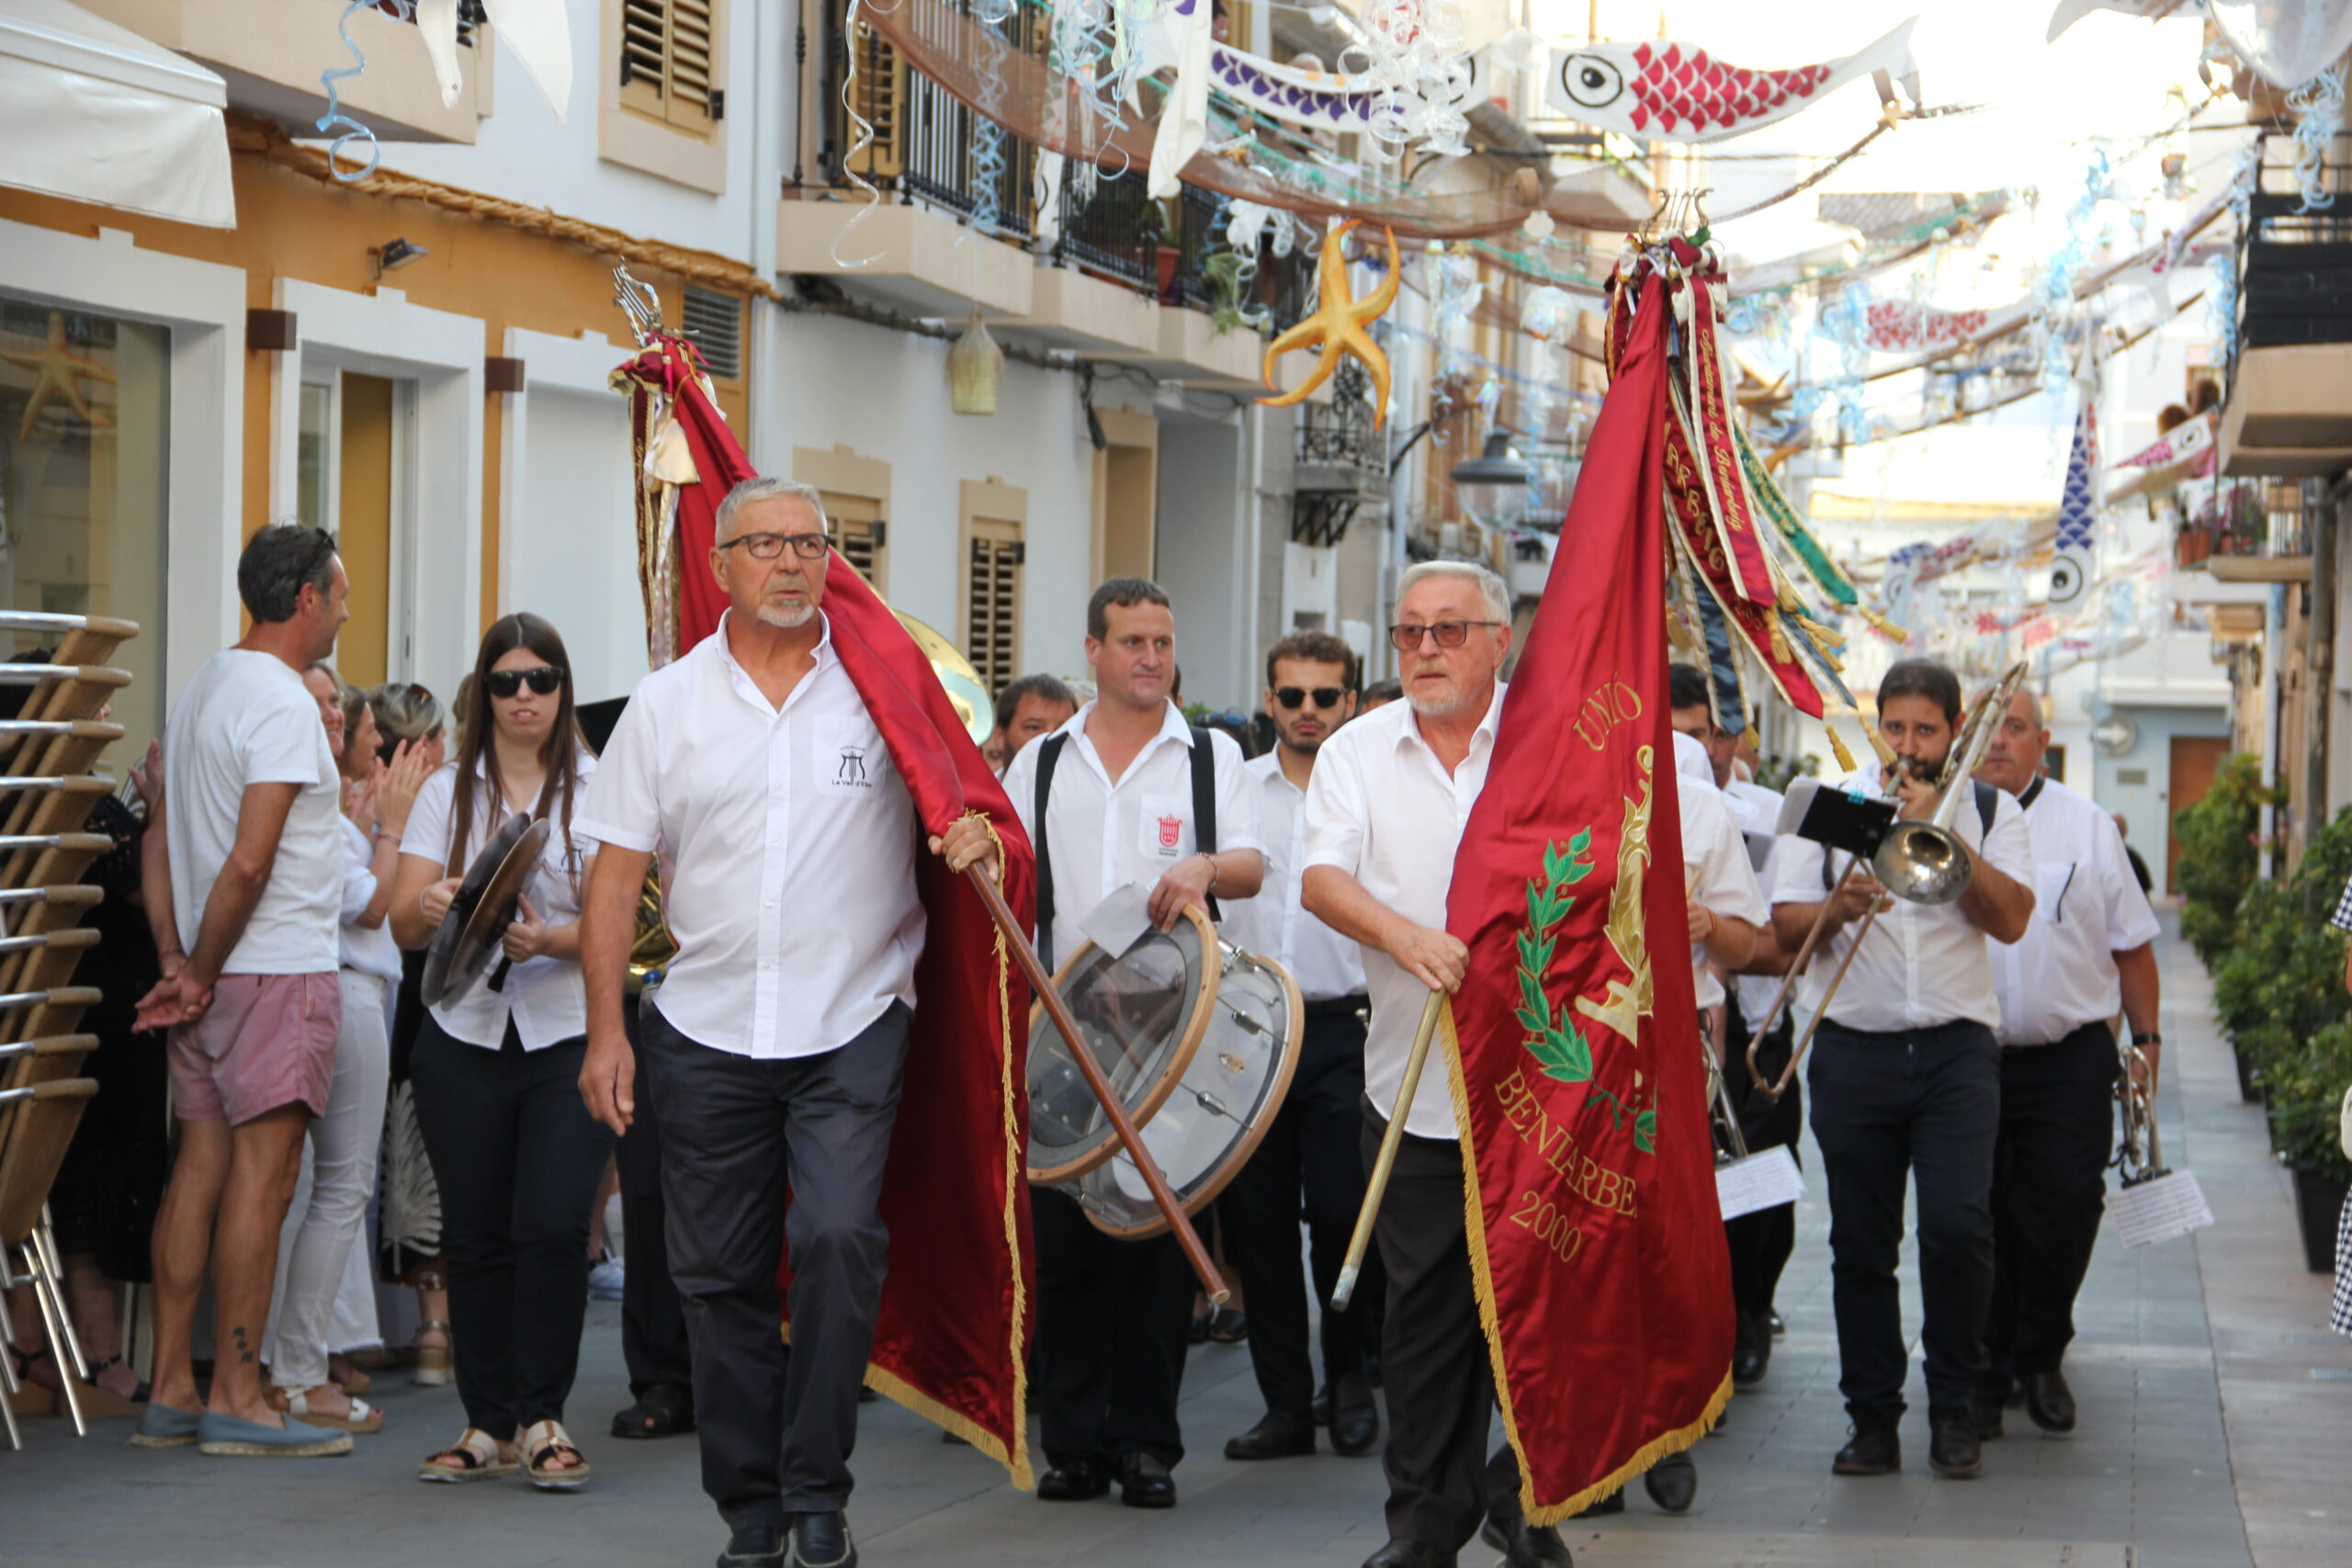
x,y
1142,1016
1224,1101
483,909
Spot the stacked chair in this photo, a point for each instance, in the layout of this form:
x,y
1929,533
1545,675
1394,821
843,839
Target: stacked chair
x,y
47,789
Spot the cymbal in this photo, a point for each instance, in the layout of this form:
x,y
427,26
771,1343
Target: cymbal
x,y
484,906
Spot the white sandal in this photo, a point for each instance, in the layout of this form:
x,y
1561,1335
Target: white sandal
x,y
544,1440
478,1457
364,1417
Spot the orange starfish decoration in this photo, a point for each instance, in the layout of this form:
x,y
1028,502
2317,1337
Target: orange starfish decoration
x,y
55,374
1338,325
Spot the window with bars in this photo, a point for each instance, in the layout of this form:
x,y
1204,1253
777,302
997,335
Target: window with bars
x,y
669,66
992,600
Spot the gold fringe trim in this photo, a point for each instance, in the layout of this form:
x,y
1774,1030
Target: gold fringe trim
x,y
1837,747
1483,1282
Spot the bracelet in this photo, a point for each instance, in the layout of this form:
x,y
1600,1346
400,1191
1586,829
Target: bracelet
x,y
1213,869
2146,1037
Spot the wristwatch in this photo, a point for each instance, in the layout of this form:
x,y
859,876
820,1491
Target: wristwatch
x,y
2146,1037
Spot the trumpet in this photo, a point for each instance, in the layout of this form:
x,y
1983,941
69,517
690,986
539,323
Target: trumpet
x,y
1921,863
2140,1156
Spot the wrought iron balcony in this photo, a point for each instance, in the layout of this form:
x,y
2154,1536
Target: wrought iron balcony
x,y
1108,226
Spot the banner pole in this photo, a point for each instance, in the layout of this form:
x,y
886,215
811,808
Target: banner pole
x,y
1377,1187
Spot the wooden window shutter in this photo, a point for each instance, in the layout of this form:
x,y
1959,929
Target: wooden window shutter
x,y
860,536
993,602
645,55
669,67
880,93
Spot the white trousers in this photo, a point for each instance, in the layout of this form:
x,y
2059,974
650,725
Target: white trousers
x,y
316,1306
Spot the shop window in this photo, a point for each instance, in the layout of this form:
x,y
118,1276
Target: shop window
x,y
83,406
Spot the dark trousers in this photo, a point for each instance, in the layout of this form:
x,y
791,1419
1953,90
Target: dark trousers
x,y
1761,1243
654,1321
777,1430
1885,1105
1310,1148
1111,1317
1441,1480
2049,1191
517,1159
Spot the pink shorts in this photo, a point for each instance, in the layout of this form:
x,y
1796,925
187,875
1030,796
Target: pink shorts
x,y
266,1041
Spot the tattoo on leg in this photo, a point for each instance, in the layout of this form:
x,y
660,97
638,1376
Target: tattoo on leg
x,y
244,1356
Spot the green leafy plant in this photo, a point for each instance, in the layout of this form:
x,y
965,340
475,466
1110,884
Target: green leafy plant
x,y
2306,1094
1224,272
2219,844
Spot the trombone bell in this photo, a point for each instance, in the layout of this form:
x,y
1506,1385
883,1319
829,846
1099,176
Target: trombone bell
x,y
1923,862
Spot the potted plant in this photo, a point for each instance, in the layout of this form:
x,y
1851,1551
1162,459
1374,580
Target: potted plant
x,y
2306,1089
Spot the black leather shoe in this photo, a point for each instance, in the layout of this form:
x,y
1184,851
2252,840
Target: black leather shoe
x,y
1524,1545
1873,1449
1953,1448
754,1546
1748,1362
1673,1483
1409,1554
1274,1437
1080,1480
1985,1413
663,1410
822,1540
1321,1408
1355,1430
1613,1504
1144,1482
2049,1402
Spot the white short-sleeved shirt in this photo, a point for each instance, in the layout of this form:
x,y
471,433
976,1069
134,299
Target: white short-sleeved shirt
x,y
1326,965
1716,873
369,951
1924,963
1101,835
2087,907
545,995
1382,808
246,718
788,841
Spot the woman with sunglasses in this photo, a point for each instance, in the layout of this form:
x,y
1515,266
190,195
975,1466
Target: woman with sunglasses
x,y
495,1072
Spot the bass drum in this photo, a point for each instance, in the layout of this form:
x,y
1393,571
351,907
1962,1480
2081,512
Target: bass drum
x,y
1198,1039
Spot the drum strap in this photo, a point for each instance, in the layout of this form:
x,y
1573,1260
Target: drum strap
x,y
1049,753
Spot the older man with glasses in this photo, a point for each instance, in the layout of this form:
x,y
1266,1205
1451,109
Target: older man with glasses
x,y
1384,813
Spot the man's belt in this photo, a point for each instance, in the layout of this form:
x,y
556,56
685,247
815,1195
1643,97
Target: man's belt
x,y
1330,1007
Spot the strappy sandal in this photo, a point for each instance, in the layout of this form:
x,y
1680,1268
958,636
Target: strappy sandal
x,y
544,1441
436,1364
364,1417
100,1402
475,1456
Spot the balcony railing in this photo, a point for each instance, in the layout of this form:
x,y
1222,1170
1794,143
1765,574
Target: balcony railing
x,y
1108,226
2295,266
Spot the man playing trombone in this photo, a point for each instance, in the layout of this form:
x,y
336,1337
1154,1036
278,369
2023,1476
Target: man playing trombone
x,y
1907,1075
2085,957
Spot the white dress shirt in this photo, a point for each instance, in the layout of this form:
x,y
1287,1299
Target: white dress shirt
x,y
787,843
1716,873
1383,809
1924,963
2087,907
1101,835
545,995
370,950
1326,965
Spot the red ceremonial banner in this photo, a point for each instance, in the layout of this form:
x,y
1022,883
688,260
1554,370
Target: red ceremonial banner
x,y
951,1342
1595,1232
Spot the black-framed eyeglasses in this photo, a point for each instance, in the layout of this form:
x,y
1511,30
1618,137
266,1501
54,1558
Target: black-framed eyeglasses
x,y
504,683
1449,633
1324,696
767,546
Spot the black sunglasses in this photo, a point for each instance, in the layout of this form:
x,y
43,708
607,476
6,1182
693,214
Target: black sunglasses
x,y
504,683
1324,696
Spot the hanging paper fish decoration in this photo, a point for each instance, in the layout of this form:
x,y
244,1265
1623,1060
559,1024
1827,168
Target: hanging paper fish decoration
x,y
1678,92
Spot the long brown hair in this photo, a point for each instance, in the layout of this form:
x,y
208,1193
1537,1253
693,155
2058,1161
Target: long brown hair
x,y
559,754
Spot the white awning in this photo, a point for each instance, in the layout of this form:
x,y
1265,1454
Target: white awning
x,y
91,112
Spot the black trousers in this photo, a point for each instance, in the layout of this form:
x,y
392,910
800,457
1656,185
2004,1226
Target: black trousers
x,y
654,1321
1111,1321
777,1430
518,1159
1310,1149
1761,1243
2049,1192
1884,1106
1441,1480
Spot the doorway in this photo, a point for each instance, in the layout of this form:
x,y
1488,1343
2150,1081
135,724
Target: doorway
x,y
348,479
2195,760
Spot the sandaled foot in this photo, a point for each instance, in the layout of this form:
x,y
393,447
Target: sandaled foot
x,y
435,1367
663,1410
550,1459
327,1405
348,1378
475,1456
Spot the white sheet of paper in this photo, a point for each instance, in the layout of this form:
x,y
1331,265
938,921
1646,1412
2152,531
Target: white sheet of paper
x,y
1119,921
2159,1209
1759,1181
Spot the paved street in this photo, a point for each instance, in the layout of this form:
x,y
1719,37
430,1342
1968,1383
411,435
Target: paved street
x,y
2213,1404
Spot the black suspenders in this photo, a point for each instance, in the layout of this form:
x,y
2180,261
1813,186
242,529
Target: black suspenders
x,y
1049,753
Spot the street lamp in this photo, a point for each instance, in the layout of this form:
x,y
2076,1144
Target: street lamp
x,y
1493,485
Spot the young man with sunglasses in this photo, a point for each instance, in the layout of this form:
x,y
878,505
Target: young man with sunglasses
x,y
1384,813
1311,1147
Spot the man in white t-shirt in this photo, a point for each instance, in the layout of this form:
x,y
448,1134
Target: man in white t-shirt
x,y
247,928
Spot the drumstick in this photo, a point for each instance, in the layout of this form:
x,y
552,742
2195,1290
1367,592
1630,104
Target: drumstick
x,y
1042,983
1377,1187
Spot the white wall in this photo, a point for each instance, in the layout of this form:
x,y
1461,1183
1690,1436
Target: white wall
x,y
575,543
1203,562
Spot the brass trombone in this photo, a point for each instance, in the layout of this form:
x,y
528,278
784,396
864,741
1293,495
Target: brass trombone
x,y
1922,863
